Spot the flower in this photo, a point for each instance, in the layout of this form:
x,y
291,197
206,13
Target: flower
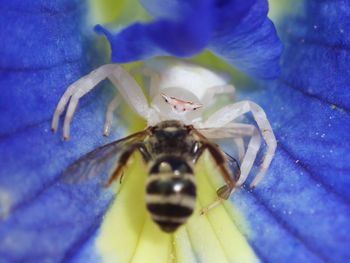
x,y
299,212
228,28
44,51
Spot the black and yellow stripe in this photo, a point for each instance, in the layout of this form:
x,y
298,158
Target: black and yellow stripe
x,y
170,193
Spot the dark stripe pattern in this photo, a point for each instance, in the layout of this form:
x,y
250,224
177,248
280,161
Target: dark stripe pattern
x,y
170,193
171,186
170,210
167,226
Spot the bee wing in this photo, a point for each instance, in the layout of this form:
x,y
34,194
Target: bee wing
x,y
234,166
100,160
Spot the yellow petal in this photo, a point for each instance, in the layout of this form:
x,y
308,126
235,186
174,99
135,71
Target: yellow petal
x,y
122,12
129,235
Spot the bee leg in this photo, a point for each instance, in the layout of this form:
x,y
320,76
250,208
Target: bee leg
x,y
123,160
121,178
214,204
219,158
223,194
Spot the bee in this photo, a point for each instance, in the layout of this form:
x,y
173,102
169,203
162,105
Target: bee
x,y
170,149
176,135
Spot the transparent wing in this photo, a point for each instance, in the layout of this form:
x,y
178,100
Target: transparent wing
x,y
234,166
99,161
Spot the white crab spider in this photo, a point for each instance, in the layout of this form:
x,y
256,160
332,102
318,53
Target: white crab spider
x,y
180,91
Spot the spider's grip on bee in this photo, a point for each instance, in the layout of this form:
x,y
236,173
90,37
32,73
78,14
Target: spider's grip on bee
x,y
176,137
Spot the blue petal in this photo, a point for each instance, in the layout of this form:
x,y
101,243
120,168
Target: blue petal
x,y
301,210
24,65
299,213
222,10
138,40
238,31
252,45
168,9
45,50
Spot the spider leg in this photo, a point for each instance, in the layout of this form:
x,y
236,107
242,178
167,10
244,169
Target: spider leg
x,y
152,76
112,106
237,131
130,91
230,112
122,80
238,141
250,156
226,132
88,82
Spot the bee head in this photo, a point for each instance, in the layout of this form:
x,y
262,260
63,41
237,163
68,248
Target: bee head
x,y
170,192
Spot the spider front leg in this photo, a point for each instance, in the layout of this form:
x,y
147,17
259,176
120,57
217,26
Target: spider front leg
x,y
230,112
123,82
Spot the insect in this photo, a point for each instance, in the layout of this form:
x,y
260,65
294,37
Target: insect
x,y
176,135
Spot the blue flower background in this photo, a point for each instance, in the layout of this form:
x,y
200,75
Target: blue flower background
x,y
299,213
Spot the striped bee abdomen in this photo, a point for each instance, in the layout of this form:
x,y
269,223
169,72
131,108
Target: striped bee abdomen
x,y
170,193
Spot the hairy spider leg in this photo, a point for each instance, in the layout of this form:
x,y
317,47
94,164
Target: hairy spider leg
x,y
230,112
238,141
238,131
112,106
121,79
